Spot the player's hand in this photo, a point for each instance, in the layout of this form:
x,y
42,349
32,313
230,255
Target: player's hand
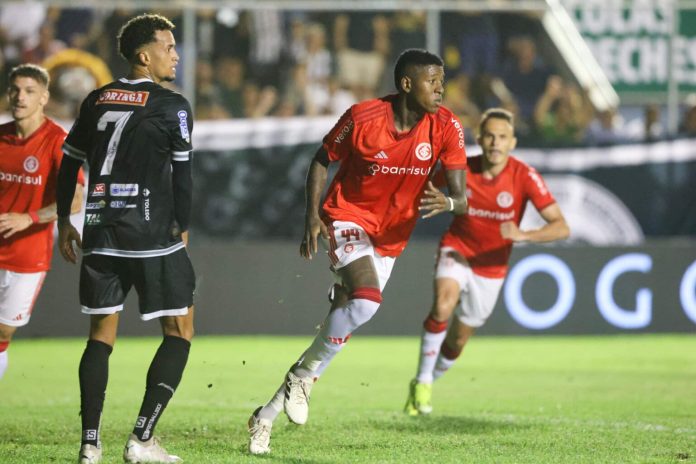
x,y
314,227
67,235
510,231
11,223
433,201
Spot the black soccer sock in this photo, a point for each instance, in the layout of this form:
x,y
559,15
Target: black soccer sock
x,y
94,375
163,377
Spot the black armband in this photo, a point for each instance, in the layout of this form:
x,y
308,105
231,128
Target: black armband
x,y
65,188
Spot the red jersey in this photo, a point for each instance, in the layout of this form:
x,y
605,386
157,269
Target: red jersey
x,y
28,174
383,173
476,234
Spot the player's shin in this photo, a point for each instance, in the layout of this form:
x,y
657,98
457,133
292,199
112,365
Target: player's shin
x,y
94,375
448,355
434,333
337,329
163,378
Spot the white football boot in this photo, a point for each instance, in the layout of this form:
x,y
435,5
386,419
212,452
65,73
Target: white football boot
x,y
259,434
296,403
89,454
137,451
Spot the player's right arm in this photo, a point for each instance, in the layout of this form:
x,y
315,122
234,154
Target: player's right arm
x,y
67,233
314,226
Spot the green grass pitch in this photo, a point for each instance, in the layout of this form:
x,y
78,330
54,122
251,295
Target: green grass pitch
x,y
603,399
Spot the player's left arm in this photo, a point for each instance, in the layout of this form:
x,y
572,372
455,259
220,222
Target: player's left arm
x,y
434,201
11,223
556,228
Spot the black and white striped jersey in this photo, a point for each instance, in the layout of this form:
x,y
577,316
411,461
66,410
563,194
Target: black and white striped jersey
x,y
131,133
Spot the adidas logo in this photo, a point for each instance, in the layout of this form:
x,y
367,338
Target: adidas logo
x,y
381,155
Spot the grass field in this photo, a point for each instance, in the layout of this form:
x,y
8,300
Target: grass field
x,y
624,399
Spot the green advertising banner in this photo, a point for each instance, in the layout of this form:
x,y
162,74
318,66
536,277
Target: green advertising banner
x,y
631,41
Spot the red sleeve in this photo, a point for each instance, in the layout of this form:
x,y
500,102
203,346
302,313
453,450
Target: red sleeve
x,y
339,141
536,190
453,154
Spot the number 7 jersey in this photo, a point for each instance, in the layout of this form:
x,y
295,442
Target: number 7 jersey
x,y
130,133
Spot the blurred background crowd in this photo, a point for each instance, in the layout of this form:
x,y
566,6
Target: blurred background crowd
x,y
284,63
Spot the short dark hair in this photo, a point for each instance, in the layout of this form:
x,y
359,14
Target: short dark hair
x,y
496,113
33,71
413,57
139,31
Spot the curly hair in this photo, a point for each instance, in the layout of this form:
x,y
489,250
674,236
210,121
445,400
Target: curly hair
x,y
139,31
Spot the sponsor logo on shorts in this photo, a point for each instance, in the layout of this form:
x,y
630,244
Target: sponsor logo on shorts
x,y
95,205
504,199
124,190
123,97
99,190
31,164
348,248
424,151
183,126
93,219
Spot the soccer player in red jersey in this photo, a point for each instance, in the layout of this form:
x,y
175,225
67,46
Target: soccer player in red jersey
x,y
474,252
31,154
387,149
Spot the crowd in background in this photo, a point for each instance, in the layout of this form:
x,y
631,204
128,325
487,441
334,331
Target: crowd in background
x,y
257,63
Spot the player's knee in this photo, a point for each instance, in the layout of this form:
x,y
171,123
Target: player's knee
x,y
364,303
6,333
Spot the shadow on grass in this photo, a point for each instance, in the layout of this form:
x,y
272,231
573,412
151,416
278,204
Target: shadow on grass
x,y
443,425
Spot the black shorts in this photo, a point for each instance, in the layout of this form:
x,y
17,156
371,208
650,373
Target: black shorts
x,y
165,284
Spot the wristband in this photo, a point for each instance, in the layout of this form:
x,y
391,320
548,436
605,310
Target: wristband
x,y
450,202
34,217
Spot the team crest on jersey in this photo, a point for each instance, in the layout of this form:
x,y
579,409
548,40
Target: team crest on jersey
x,y
424,151
31,164
183,126
504,199
123,97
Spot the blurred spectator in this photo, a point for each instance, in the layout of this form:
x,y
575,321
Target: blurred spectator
x,y
361,41
47,46
267,43
294,97
105,44
647,128
258,102
208,94
230,74
20,22
607,128
525,74
340,98
687,127
458,99
232,34
319,69
562,114
76,27
406,30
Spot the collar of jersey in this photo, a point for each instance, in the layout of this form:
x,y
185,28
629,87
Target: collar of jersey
x,y
136,81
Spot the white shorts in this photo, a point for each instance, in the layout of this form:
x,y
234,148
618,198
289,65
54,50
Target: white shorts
x,y
18,292
478,294
348,242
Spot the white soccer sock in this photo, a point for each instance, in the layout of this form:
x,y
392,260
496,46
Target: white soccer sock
x,y
443,364
433,335
336,331
3,362
271,409
429,351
